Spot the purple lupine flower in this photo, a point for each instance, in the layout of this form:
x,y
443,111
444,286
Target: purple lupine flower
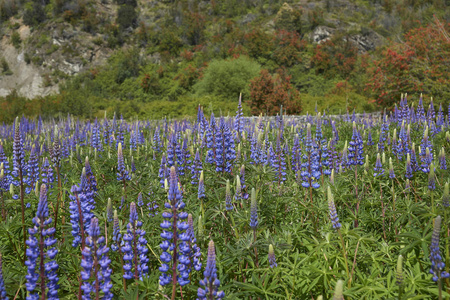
x,y
195,252
140,202
196,167
431,178
172,233
42,234
109,211
391,169
91,181
122,173
96,262
272,259
47,173
446,196
135,248
379,170
116,233
437,265
162,173
228,204
201,187
253,211
355,149
409,171
3,295
210,283
442,159
32,170
332,210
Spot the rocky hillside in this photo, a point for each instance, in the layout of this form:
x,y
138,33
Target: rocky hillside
x,y
136,50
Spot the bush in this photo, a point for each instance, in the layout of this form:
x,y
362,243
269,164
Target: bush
x,y
126,17
16,40
225,79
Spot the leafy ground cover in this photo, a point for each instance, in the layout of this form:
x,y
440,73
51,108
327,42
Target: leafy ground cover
x,y
233,208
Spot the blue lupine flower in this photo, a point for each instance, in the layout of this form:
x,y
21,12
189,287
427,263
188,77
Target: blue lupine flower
x,y
162,173
201,187
442,159
196,168
195,252
272,259
378,170
140,201
47,174
3,295
253,211
228,204
391,169
431,178
225,148
96,262
44,263
355,149
18,153
135,247
446,196
109,211
332,210
173,232
409,171
210,282
116,233
437,265
92,182
32,171
122,173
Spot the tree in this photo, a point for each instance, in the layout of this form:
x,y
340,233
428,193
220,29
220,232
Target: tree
x,y
268,93
288,19
419,64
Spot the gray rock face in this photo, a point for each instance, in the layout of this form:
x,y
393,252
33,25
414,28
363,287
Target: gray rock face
x,y
322,33
26,79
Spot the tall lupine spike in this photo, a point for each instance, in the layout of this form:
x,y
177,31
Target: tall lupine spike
x,y
3,295
437,265
95,262
253,211
399,271
122,173
135,248
442,159
431,178
172,235
19,165
339,290
408,168
272,259
446,196
40,239
228,204
238,194
391,169
109,211
201,187
378,170
195,252
116,232
210,283
332,210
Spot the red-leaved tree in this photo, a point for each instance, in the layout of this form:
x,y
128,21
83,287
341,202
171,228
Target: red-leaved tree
x,y
268,93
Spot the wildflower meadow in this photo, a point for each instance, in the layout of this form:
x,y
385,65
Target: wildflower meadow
x,y
228,207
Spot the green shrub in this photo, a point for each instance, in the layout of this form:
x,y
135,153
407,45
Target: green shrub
x,y
16,40
225,79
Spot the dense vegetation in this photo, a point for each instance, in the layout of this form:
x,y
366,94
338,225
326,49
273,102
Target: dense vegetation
x,y
278,208
172,55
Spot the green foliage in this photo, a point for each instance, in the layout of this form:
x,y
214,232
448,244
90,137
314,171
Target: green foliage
x,y
126,17
34,14
226,79
288,19
16,40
